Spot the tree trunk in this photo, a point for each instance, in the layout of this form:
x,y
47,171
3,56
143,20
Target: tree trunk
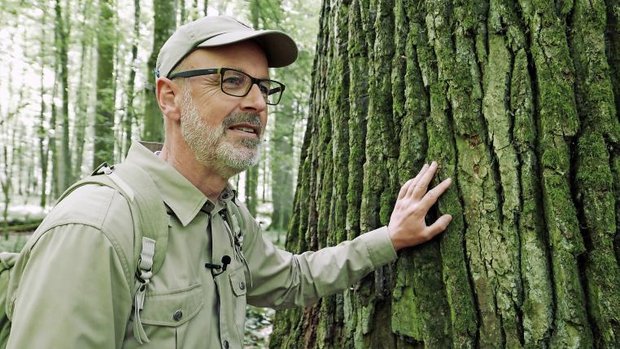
x,y
130,110
85,88
251,189
515,100
104,115
281,161
6,185
251,175
165,21
61,31
43,139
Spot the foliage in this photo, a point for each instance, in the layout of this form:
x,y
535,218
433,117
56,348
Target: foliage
x,y
82,98
12,242
258,327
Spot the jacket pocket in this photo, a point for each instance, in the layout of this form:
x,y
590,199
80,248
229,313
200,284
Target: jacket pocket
x,y
166,316
172,308
237,282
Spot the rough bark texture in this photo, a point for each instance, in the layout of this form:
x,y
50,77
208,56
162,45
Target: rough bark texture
x,y
517,100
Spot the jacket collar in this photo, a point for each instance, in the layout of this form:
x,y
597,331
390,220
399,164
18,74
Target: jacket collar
x,y
179,194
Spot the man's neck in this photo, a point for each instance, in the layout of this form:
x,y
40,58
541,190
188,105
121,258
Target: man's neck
x,y
207,179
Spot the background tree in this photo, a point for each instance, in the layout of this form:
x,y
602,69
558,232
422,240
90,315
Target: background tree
x,y
130,110
86,89
515,100
164,26
287,117
263,14
64,173
106,93
87,92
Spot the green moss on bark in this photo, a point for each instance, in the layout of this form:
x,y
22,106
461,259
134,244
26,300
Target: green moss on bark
x,y
538,304
514,100
358,109
594,177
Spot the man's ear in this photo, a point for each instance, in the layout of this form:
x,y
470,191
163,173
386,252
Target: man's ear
x,y
166,90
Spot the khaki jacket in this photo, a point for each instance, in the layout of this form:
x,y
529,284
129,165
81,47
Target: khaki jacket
x,y
73,289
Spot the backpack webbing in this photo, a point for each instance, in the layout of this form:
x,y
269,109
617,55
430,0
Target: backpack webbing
x,y
150,226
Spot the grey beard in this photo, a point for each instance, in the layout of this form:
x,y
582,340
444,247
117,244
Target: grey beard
x,y
209,145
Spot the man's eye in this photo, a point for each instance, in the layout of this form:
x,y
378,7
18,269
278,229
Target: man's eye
x,y
234,81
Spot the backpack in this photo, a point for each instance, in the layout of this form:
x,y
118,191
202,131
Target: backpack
x,y
150,221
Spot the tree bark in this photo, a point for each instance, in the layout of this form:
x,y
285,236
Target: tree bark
x,y
517,101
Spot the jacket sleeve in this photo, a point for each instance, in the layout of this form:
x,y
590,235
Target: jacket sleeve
x,y
73,292
281,279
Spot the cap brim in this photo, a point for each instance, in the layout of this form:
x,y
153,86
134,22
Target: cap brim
x,y
279,48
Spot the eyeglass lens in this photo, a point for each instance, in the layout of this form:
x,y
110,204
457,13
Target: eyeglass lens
x,y
236,83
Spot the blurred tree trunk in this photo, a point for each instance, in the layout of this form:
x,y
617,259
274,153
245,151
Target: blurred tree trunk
x,y
130,110
42,134
252,174
85,88
251,188
165,21
64,173
53,140
515,100
281,156
104,115
182,12
6,184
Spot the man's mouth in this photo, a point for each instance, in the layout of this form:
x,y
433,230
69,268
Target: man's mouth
x,y
246,128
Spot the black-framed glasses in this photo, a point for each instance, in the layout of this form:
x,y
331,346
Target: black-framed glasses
x,y
236,83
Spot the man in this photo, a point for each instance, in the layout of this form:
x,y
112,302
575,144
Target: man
x,y
213,89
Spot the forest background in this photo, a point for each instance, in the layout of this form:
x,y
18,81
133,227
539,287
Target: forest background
x,y
76,86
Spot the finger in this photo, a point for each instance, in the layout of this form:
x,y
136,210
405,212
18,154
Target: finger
x,y
411,183
422,185
431,197
439,226
403,189
423,170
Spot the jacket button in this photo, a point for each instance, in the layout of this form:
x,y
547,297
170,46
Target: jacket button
x,y
242,285
226,345
177,315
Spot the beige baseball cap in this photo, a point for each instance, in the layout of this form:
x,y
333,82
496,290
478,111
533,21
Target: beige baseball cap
x,y
212,31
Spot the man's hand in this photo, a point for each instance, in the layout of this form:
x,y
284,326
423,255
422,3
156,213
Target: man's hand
x,y
407,225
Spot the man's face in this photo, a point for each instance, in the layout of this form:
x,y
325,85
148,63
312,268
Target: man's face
x,y
224,132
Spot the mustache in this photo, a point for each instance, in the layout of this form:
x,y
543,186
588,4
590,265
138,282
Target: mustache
x,y
248,117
